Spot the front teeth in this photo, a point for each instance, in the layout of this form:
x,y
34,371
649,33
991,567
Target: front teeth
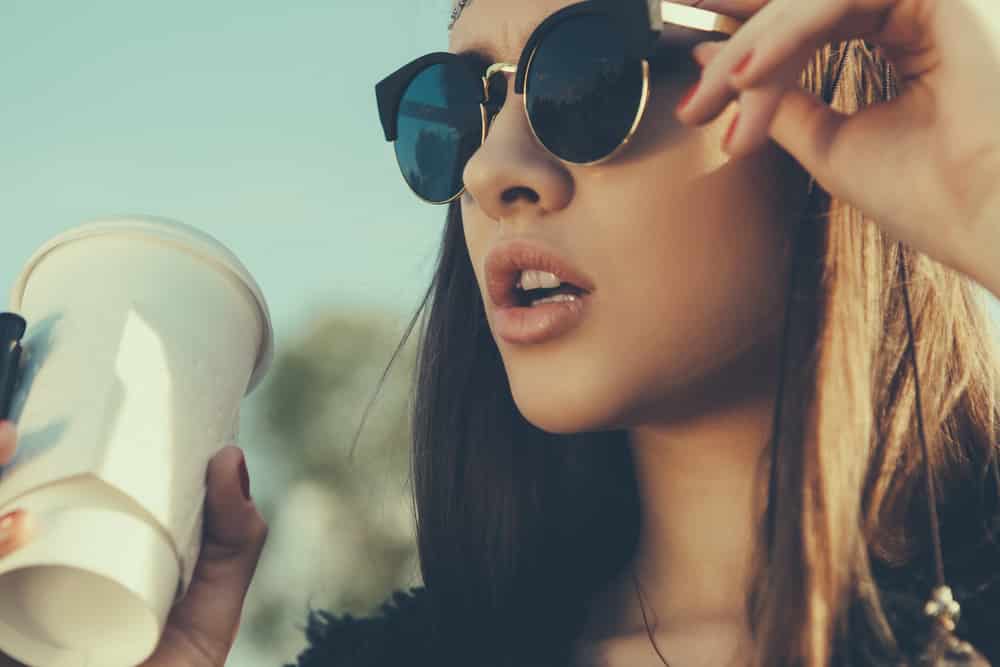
x,y
533,279
557,298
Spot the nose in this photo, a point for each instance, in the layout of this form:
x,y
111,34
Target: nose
x,y
511,173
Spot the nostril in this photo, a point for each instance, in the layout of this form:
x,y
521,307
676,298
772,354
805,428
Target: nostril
x,y
510,195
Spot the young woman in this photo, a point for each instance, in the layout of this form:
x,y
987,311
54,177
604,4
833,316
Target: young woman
x,y
701,383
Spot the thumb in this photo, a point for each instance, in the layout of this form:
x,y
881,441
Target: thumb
x,y
207,618
845,153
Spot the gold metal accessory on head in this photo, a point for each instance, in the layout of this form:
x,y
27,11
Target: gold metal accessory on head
x,y
457,11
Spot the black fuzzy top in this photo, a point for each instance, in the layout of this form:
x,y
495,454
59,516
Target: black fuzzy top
x,y
409,629
404,631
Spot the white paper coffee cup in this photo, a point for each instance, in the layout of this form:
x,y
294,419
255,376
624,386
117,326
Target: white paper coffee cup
x,y
144,335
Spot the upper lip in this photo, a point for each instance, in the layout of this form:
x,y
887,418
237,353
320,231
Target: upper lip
x,y
507,259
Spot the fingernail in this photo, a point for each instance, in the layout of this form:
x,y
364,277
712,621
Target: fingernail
x,y
244,479
694,58
739,67
7,523
688,95
730,132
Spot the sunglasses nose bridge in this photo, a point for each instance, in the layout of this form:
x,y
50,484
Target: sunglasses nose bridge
x,y
488,111
496,68
506,68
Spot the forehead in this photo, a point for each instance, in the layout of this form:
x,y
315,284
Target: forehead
x,y
499,28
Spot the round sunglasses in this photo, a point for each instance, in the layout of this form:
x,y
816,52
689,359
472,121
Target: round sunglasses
x,y
584,75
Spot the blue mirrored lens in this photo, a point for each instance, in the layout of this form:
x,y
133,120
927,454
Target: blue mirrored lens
x,y
439,127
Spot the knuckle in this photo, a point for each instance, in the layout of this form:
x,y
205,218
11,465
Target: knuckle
x,y
205,649
15,530
263,530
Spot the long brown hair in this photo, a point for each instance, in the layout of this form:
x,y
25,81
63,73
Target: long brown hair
x,y
849,482
518,528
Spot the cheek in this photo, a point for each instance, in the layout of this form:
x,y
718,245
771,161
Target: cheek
x,y
689,280
687,249
694,268
477,238
711,288
688,252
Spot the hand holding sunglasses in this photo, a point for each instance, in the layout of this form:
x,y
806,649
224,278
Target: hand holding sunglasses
x,y
925,166
584,76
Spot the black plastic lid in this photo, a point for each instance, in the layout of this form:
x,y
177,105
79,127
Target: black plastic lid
x,y
12,327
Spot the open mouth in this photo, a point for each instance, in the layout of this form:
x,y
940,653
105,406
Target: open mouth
x,y
539,314
532,297
521,274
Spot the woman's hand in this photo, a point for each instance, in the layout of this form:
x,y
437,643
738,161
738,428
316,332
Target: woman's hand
x,y
15,526
201,627
924,166
18,530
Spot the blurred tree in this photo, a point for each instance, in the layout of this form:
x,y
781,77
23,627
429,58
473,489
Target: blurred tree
x,y
342,525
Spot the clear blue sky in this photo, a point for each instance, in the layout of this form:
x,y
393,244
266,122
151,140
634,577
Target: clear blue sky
x,y
254,121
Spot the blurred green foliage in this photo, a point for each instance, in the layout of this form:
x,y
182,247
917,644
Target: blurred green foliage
x,y
341,521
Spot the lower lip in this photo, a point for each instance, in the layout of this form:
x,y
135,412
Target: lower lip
x,y
538,324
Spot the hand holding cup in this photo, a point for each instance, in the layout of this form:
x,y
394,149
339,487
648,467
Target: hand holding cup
x,y
15,527
140,338
202,627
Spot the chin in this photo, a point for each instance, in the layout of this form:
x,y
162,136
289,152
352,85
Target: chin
x,y
564,406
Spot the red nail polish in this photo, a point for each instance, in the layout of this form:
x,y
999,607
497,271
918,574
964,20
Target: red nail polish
x,y
730,132
742,64
688,95
244,479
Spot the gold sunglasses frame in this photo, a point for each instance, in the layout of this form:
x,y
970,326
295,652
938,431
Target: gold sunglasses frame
x,y
670,15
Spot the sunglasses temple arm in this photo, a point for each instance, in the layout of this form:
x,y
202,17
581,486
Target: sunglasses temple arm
x,y
666,17
655,15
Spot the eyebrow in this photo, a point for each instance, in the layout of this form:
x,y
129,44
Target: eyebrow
x,y
477,53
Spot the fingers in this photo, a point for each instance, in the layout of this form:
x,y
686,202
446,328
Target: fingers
x,y
848,153
714,92
15,531
780,37
15,526
758,106
8,441
773,47
843,152
750,129
705,52
234,536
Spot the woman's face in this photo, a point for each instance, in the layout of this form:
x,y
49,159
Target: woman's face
x,y
686,249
